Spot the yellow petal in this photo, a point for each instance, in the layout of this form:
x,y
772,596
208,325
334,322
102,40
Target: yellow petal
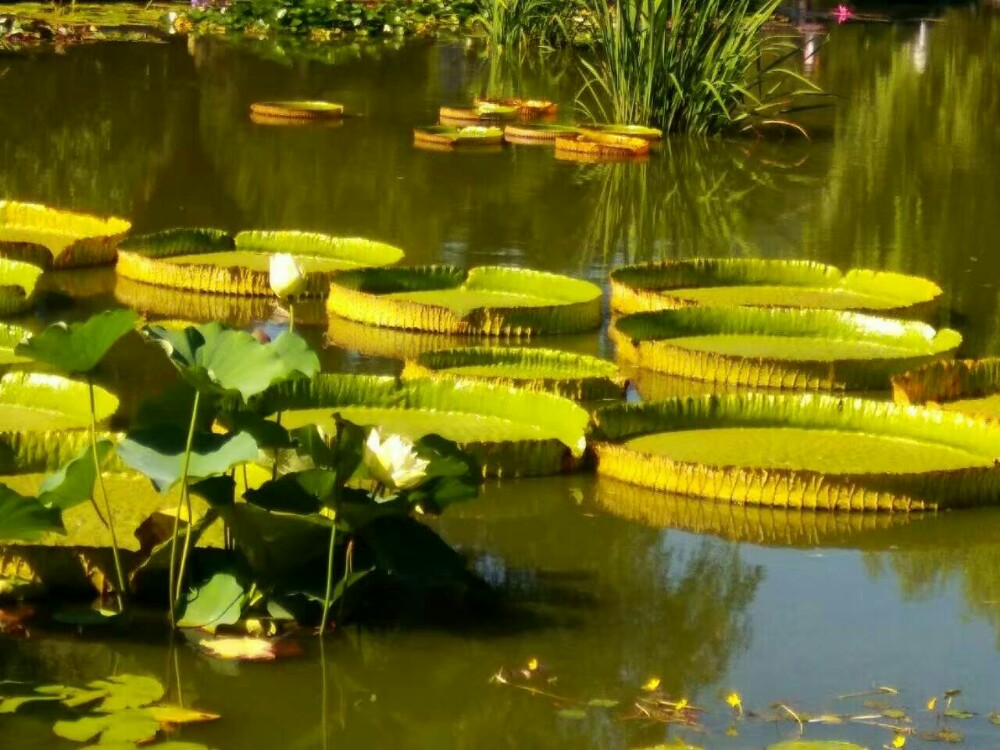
x,y
734,700
532,664
651,684
899,740
682,704
932,703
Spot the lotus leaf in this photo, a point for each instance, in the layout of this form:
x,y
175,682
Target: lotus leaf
x,y
25,518
52,238
779,347
17,284
509,431
217,601
73,483
298,110
488,300
768,283
78,347
970,386
44,420
206,260
447,135
218,360
808,451
574,376
159,454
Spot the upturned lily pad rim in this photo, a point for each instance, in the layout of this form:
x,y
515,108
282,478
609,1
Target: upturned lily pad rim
x,y
458,136
361,296
148,258
953,380
94,238
607,146
647,286
298,109
645,339
563,420
56,393
17,285
577,376
801,488
537,131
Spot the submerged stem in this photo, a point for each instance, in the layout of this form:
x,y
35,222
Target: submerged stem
x,y
109,521
176,583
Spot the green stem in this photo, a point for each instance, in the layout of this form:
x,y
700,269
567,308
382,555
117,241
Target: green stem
x,y
329,578
291,316
177,581
110,522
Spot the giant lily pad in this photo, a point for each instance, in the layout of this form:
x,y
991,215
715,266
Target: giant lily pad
x,y
806,451
207,260
723,282
598,131
44,420
756,524
484,112
52,238
815,745
10,337
780,347
490,300
447,135
607,146
574,376
17,283
298,110
536,132
971,386
166,302
510,431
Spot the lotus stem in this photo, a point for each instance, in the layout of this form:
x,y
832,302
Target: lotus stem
x,y
348,569
291,316
329,579
110,521
176,582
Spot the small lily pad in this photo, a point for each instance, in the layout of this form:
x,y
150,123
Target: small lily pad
x,y
574,714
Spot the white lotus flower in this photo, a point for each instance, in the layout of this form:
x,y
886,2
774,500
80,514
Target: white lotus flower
x,y
393,462
288,278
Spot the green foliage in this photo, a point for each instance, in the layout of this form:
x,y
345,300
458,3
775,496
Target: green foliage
x,y
25,518
73,484
221,361
692,67
509,23
78,347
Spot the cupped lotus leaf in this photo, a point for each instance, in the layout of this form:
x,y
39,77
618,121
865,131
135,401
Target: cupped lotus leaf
x,y
723,282
78,347
509,431
206,260
159,454
44,420
52,238
487,300
17,284
597,130
607,146
217,601
469,135
755,524
971,386
574,376
779,347
298,109
220,360
536,132
73,483
25,518
806,451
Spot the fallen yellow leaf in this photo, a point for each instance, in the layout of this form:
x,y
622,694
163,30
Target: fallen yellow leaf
x,y
240,649
651,684
932,703
734,700
532,664
179,715
899,740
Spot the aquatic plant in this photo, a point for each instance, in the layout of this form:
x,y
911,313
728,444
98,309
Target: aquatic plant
x,y
692,67
509,23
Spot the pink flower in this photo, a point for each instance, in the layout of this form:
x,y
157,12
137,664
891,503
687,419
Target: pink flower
x,y
842,13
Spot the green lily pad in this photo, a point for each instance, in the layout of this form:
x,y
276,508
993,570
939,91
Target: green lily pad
x,y
301,109
44,420
127,691
209,260
780,348
489,300
17,284
469,135
53,238
123,726
723,282
815,745
509,431
574,376
539,132
802,451
78,347
629,131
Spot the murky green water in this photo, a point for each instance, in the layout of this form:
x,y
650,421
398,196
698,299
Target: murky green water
x,y
610,586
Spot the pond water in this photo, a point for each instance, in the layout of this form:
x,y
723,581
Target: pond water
x,y
612,586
